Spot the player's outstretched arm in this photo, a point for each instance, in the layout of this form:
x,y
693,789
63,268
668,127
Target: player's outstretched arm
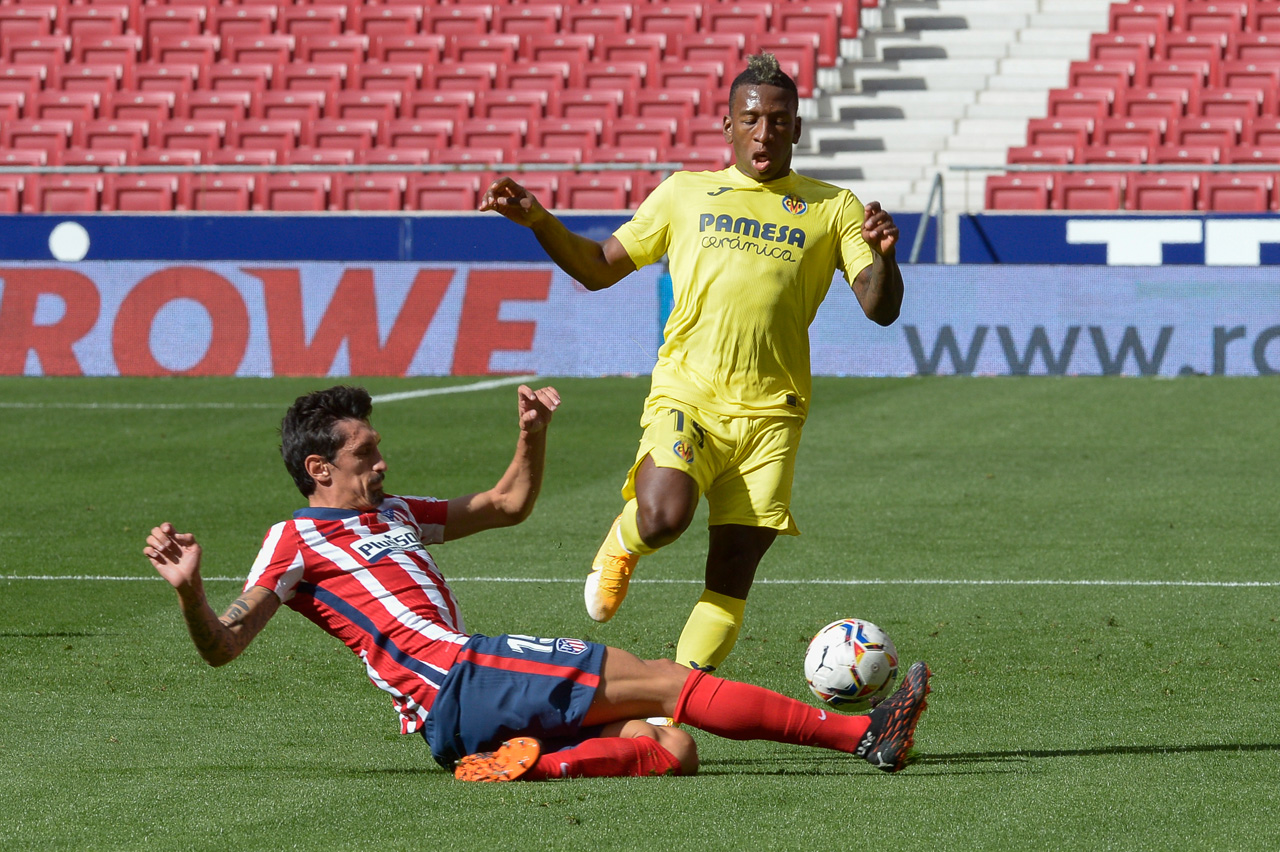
x,y
595,265
176,557
511,500
879,286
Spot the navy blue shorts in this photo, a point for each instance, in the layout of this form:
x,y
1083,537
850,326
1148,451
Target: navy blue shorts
x,y
504,686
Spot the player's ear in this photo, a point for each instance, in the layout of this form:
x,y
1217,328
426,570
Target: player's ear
x,y
795,138
728,129
318,468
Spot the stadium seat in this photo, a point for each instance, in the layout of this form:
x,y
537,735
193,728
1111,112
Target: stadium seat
x,y
204,135
1241,73
182,180
527,20
1111,74
506,134
1256,154
1190,46
24,157
658,132
1025,191
487,47
1025,155
465,76
813,16
227,193
355,192
121,50
149,106
241,21
672,17
394,156
1172,191
1080,103
1176,73
81,22
44,50
1261,131
78,193
580,133
11,104
1134,47
573,48
698,159
91,77
312,19
470,156
272,134
1071,131
1145,131
1253,46
254,78
433,134
744,17
295,104
457,19
11,192
296,193
594,191
326,77
1220,132
1112,154
541,75
797,54
156,21
647,48
1167,103
596,18
362,104
528,105
158,77
119,134
1235,103
454,106
48,136
630,154
140,193
415,48
544,185
308,156
379,22
723,47
344,49
1077,191
1151,17
55,104
1187,154
448,191
28,19
703,76
76,156
533,155
1263,16
1247,192
680,104
201,50
221,104
355,134
1220,16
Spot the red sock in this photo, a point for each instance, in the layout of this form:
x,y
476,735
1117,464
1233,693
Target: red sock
x,y
740,711
606,757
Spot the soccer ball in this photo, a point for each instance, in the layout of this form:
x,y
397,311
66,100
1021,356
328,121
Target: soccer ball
x,y
851,665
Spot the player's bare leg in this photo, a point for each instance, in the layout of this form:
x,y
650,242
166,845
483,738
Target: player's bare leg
x,y
733,555
663,508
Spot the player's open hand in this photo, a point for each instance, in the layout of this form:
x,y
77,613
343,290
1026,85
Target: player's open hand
x,y
513,201
878,229
175,555
536,407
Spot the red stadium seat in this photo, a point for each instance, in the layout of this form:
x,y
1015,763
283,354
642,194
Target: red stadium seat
x,y
449,191
123,134
1023,155
274,49
307,156
158,77
296,193
672,17
1220,16
24,157
182,180
345,49
1257,154
378,22
1263,16
347,134
647,48
544,156
596,18
433,134
456,20
1172,191
744,17
1220,132
1077,191
487,47
723,47
301,105
1248,192
1162,103
394,156
506,134
1261,131
658,132
1073,132
580,133
81,22
528,105
201,50
680,104
698,159
140,193
453,105
813,16
1152,17
541,75
79,193
27,19
420,49
1147,132
1236,103
361,104
11,105
108,50
1026,191
240,77
402,77
600,104
37,50
11,192
204,135
543,185
627,76
574,48
91,77
1237,73
594,191
94,157
1112,154
1111,74
1136,47
354,192
1186,154
469,76
1180,73
797,54
48,136
470,156
149,106
54,104
1186,46
222,105
527,20
1080,103
1254,47
156,21
241,21
312,19
229,193
323,77
274,134
632,154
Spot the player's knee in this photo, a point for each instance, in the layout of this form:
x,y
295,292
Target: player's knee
x,y
662,522
682,747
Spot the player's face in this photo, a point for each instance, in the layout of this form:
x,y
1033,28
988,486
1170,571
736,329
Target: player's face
x,y
762,126
357,471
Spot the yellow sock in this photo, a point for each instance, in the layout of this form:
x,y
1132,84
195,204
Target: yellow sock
x,y
710,632
629,530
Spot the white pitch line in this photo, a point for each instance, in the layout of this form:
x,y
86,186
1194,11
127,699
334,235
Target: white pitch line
x,y
1187,584
194,406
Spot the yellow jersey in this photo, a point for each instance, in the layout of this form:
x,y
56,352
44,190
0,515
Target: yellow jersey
x,y
750,262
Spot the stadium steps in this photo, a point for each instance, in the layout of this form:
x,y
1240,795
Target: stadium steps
x,y
940,83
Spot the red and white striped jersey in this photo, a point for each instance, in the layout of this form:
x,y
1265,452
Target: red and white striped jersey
x,y
366,578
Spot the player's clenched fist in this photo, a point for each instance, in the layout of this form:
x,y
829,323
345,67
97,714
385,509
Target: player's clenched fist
x,y
513,201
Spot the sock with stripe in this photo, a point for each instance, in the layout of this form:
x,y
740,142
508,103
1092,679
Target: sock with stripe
x,y
606,757
740,711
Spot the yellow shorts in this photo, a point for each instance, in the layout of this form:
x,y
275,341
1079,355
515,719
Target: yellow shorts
x,y
744,465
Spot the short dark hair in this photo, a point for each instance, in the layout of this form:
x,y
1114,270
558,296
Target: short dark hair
x,y
310,428
763,70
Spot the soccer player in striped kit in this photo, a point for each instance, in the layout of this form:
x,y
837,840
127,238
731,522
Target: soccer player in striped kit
x,y
491,708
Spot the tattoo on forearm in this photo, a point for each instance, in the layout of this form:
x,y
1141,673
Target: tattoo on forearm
x,y
236,612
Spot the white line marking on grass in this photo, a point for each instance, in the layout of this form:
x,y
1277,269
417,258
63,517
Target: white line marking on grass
x,y
1216,584
193,406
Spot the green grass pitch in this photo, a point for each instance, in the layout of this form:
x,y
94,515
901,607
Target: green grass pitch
x,y
1089,566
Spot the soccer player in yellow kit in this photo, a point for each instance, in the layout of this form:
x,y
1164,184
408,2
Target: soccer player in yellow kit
x,y
752,251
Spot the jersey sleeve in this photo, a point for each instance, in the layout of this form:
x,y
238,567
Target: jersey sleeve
x,y
647,235
430,515
279,563
855,254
